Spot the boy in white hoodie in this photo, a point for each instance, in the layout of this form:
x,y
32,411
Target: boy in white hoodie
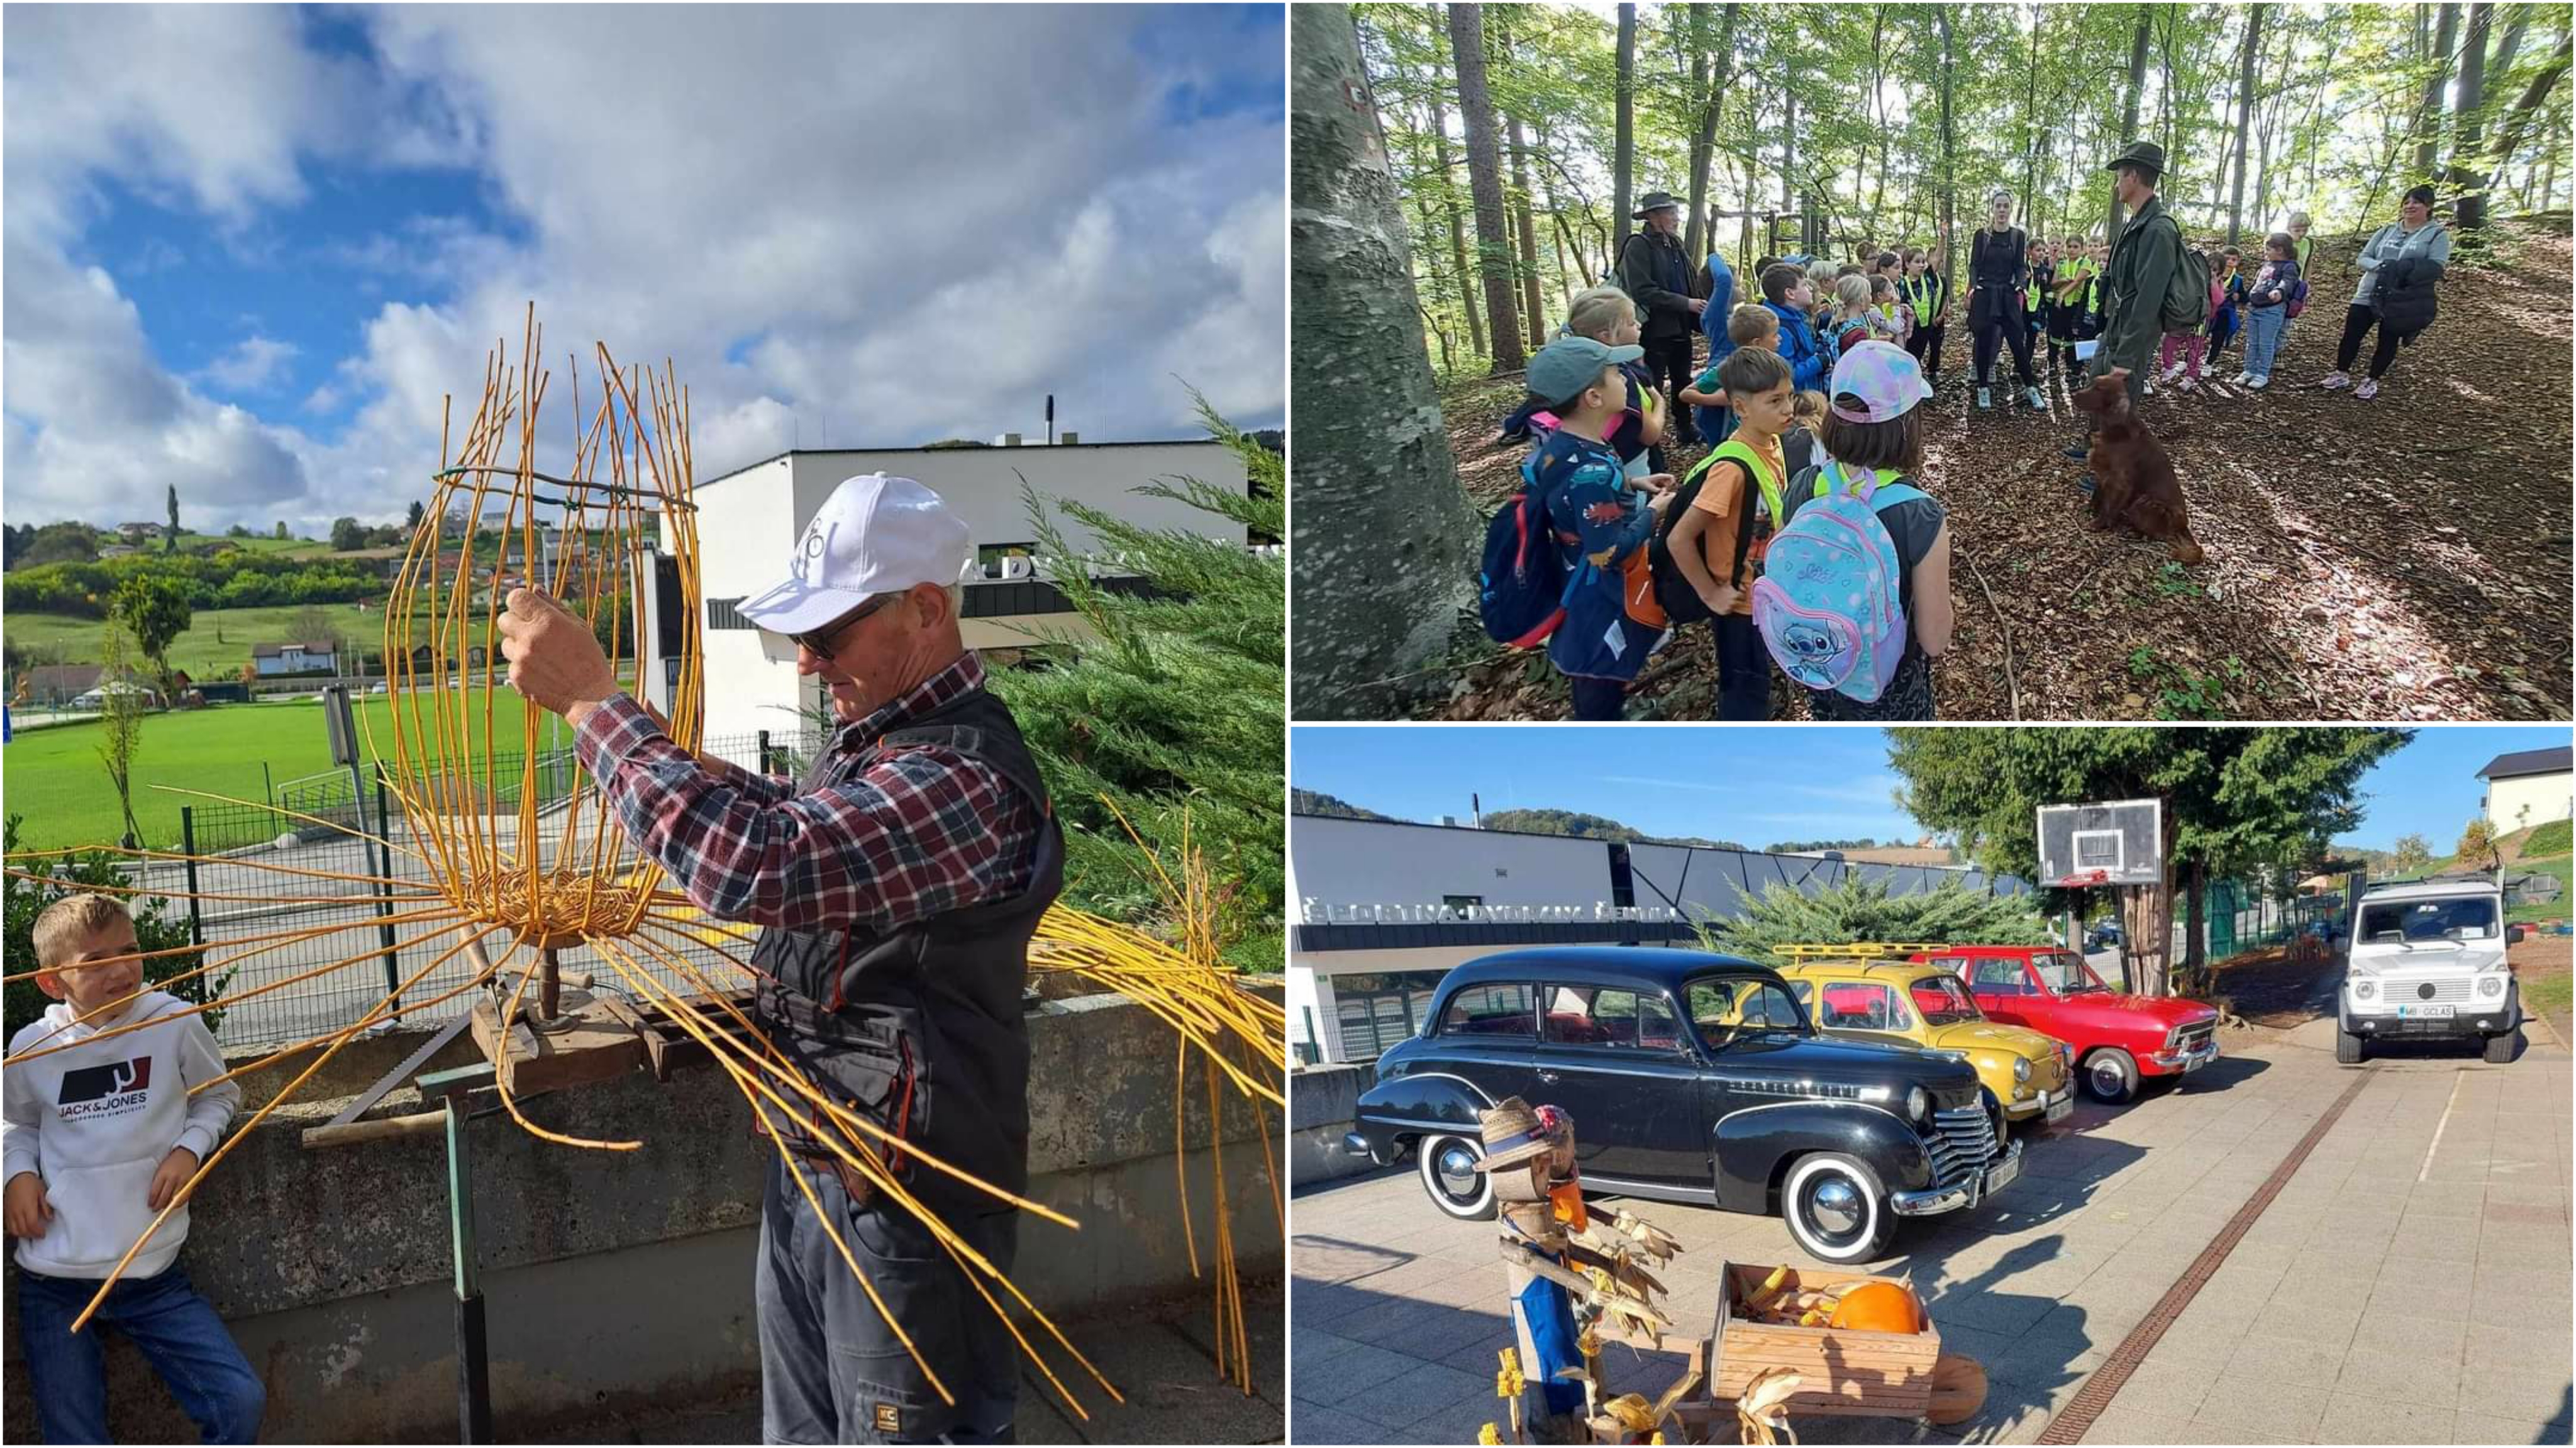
x,y
102,1133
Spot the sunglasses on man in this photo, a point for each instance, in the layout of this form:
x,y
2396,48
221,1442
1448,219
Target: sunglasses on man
x,y
823,641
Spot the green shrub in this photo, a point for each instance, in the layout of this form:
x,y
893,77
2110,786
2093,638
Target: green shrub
x,y
2546,840
1859,909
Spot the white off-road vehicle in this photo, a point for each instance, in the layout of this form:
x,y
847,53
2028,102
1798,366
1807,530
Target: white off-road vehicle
x,y
2427,963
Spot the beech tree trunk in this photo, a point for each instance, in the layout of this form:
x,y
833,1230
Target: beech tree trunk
x,y
1457,223
2466,103
1383,516
1485,181
1949,159
2428,112
1707,77
2533,97
1623,162
2244,120
2129,115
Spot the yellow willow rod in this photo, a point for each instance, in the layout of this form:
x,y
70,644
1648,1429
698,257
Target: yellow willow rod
x,y
807,1089
1247,1084
263,866
1181,1155
884,1182
707,987
296,814
222,1002
412,894
189,1189
501,1080
266,942
374,1014
664,927
642,980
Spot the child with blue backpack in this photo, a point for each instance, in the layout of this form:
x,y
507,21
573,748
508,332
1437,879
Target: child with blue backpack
x,y
1748,326
1565,561
1854,598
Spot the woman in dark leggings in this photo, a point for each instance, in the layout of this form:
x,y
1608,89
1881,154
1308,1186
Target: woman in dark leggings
x,y
2399,265
1998,269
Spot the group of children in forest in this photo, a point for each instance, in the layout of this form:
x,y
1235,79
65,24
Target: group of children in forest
x,y
1811,393
1606,558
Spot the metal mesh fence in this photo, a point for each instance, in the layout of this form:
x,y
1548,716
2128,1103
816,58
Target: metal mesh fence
x,y
320,953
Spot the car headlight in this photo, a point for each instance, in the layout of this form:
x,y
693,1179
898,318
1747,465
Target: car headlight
x,y
1916,1103
2491,986
2021,1068
2363,990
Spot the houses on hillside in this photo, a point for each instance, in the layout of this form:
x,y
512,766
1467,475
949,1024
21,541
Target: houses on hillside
x,y
280,660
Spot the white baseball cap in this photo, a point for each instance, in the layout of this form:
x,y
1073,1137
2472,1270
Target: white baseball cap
x,y
875,535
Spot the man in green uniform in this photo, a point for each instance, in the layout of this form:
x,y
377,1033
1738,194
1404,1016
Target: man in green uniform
x,y
2135,279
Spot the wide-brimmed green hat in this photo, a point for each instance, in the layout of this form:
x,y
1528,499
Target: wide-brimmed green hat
x,y
2139,153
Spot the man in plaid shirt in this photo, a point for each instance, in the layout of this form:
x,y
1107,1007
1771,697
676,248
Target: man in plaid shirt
x,y
897,886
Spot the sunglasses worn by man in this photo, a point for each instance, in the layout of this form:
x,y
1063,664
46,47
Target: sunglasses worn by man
x,y
823,642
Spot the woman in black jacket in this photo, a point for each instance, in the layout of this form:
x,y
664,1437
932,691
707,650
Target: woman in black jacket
x,y
2399,265
1998,270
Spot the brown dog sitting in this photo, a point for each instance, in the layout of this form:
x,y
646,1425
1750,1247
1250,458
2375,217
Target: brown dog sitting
x,y
2134,481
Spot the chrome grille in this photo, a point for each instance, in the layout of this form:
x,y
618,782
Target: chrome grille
x,y
2193,1036
1961,1142
2453,989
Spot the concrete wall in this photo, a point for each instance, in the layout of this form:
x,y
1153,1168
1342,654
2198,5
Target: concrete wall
x,y
618,1280
1323,1101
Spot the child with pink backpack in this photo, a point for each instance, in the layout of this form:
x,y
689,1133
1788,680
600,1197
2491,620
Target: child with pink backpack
x,y
2192,343
1854,598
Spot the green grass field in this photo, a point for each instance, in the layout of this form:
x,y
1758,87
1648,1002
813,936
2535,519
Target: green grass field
x,y
54,777
218,641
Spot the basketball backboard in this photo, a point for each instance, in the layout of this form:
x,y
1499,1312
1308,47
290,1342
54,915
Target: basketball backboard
x,y
2117,842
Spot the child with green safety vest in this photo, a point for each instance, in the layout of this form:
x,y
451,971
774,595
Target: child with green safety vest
x,y
2071,298
2038,290
1926,295
1708,546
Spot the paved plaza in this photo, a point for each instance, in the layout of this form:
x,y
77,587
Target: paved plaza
x,y
2410,1284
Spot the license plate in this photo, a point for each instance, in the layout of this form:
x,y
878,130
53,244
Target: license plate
x,y
2194,1063
2003,1174
2436,1013
2061,1109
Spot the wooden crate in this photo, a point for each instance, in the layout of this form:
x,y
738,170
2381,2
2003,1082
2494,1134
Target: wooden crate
x,y
1847,1374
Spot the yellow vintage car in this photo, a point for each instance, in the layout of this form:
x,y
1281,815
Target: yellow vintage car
x,y
1901,1002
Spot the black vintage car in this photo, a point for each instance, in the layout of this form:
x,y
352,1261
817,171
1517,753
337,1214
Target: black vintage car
x,y
1691,1078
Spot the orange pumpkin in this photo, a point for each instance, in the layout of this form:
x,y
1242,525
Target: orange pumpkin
x,y
1878,1307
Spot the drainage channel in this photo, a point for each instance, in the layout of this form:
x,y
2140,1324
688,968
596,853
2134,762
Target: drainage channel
x,y
2106,1381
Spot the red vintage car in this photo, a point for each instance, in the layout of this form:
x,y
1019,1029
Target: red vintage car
x,y
2117,1039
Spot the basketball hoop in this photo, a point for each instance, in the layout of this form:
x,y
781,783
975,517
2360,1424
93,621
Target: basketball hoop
x,y
2084,880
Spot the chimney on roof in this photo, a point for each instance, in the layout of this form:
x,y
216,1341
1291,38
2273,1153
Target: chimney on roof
x,y
1071,437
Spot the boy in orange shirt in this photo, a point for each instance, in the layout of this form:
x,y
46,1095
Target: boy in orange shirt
x,y
1714,540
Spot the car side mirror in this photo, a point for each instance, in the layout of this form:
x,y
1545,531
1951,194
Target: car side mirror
x,y
2515,934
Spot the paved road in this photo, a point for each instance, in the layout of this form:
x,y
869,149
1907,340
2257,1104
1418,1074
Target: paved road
x,y
2364,1306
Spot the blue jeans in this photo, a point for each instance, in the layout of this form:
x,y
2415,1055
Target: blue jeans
x,y
2262,339
175,1327
831,1371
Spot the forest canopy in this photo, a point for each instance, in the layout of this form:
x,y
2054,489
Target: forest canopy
x,y
1821,128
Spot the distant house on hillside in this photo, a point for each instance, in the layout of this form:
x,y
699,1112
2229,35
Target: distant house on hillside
x,y
57,684
278,660
2531,787
137,532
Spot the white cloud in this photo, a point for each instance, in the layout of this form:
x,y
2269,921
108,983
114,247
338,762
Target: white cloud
x,y
930,216
251,365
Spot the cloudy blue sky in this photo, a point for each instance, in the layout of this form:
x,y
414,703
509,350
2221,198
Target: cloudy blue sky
x,y
1796,782
249,248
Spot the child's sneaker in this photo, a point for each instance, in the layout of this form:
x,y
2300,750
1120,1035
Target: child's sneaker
x,y
2188,384
1985,399
2240,379
2259,383
2148,387
2038,401
2368,389
2172,372
2334,379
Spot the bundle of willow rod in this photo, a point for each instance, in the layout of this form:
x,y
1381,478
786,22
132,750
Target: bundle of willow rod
x,y
507,902
1239,1038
